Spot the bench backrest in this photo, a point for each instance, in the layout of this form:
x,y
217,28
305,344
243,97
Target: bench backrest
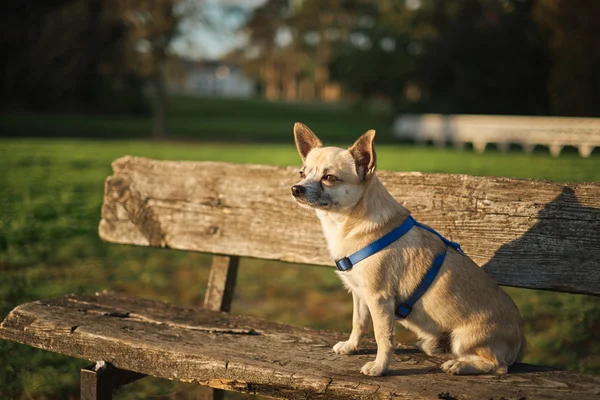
x,y
525,233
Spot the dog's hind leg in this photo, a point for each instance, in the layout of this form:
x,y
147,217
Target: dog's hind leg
x,y
434,345
361,323
483,361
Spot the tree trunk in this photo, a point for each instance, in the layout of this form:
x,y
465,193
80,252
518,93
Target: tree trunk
x,y
159,104
322,57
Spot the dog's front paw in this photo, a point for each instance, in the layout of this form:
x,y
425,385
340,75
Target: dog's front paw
x,y
372,368
345,348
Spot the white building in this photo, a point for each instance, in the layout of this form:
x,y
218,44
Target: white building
x,y
209,78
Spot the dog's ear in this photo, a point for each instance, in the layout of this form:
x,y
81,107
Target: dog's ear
x,y
306,140
363,151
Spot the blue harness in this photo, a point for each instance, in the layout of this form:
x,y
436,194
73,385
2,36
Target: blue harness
x,y
404,309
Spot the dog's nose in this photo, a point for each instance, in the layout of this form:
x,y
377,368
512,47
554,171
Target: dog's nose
x,y
298,190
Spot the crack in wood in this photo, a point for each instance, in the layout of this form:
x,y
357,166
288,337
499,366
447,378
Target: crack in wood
x,y
131,316
209,329
116,314
327,386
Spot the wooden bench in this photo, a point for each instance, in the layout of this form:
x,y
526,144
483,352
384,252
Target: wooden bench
x,y
501,130
531,234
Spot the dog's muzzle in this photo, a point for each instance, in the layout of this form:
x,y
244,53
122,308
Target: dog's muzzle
x,y
298,190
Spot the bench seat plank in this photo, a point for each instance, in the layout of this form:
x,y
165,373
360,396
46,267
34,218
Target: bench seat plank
x,y
525,233
256,356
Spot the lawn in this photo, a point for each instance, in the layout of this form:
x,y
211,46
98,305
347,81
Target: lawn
x,y
50,197
210,119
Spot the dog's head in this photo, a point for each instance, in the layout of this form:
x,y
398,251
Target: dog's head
x,y
332,178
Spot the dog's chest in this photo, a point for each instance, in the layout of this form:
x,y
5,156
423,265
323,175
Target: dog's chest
x,y
332,237
351,280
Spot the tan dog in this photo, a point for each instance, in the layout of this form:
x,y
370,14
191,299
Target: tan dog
x,y
464,313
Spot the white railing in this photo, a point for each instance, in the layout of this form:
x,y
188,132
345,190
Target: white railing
x,y
480,130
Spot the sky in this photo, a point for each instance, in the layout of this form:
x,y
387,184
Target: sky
x,y
198,41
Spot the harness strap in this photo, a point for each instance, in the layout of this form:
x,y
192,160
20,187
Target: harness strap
x,y
454,245
404,309
347,263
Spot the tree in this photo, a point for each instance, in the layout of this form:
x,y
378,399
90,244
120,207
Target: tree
x,y
459,56
487,57
572,30
290,45
151,26
64,54
318,27
262,54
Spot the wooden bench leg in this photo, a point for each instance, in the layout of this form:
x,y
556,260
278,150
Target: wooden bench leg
x,y
219,295
206,393
98,381
221,283
94,385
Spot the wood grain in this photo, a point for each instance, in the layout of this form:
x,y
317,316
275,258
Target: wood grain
x,y
525,233
275,360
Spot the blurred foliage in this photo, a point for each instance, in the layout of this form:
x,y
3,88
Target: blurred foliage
x,y
487,57
531,57
50,197
572,29
99,56
89,55
150,28
451,57
454,56
67,55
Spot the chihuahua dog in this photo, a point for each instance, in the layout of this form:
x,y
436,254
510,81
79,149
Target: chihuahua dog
x,y
463,315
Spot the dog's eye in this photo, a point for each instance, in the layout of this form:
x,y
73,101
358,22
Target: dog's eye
x,y
302,174
330,178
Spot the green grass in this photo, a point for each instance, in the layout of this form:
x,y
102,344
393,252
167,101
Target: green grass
x,y
209,119
50,198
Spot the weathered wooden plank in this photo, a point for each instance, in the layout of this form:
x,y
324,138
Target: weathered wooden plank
x,y
151,337
526,233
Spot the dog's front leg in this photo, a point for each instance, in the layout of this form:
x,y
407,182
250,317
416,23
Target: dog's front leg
x,y
361,322
384,325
